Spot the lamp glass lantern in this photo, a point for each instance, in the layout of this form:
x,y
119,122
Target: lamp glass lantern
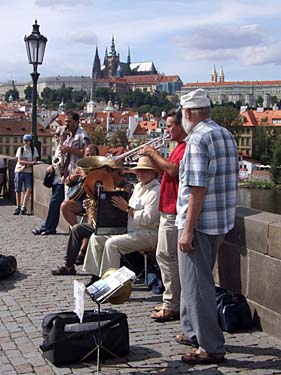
x,y
35,46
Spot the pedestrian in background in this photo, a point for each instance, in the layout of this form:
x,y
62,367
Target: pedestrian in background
x,y
26,157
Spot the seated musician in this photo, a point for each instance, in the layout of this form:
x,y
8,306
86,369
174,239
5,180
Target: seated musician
x,y
80,233
104,252
72,207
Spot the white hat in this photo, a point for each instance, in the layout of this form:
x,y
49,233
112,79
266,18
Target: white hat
x,y
195,99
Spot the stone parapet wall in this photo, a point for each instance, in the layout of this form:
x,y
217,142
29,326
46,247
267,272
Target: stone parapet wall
x,y
249,261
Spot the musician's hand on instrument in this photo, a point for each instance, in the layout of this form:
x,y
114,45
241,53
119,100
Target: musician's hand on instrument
x,y
147,150
120,203
65,149
50,169
86,203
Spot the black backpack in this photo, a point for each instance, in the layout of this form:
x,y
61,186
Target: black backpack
x,y
8,265
234,313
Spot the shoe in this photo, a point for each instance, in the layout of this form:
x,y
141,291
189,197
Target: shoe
x,y
46,233
158,307
165,315
23,211
80,259
198,357
17,211
36,231
185,340
94,278
63,271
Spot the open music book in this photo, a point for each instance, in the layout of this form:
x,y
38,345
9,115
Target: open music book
x,y
102,289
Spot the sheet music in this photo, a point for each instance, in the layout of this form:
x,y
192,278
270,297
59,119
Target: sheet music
x,y
104,288
79,290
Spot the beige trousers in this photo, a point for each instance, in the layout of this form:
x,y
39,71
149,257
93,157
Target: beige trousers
x,y
104,252
167,259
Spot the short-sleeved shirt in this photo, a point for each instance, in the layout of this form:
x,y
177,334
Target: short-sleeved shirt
x,y
169,185
26,155
210,161
79,141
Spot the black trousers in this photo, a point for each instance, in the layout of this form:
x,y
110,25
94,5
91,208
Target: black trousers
x,y
77,234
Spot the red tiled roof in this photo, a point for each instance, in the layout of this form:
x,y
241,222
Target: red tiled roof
x,y
19,127
265,118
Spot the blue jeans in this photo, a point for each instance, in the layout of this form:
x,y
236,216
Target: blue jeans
x,y
53,216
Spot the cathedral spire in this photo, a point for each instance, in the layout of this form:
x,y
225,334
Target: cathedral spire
x,y
129,57
113,51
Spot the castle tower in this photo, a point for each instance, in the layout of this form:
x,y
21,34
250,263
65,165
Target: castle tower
x,y
221,75
214,76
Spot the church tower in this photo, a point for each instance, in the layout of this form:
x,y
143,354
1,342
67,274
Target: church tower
x,y
221,75
214,76
111,61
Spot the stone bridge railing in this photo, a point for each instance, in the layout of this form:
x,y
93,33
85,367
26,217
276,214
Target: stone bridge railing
x,y
248,262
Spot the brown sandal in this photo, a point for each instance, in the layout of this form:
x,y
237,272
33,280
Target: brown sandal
x,y
165,315
80,258
185,340
198,357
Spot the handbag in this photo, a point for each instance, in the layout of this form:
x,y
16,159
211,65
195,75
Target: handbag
x,y
8,265
49,179
66,340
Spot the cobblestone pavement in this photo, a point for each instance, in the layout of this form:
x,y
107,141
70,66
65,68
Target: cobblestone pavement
x,y
27,296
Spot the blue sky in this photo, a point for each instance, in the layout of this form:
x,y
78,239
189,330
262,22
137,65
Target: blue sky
x,y
181,37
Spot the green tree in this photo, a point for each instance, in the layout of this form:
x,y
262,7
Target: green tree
x,y
12,92
228,116
28,93
276,163
98,136
119,138
103,94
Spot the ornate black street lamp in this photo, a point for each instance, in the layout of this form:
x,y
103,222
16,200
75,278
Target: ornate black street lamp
x,y
35,47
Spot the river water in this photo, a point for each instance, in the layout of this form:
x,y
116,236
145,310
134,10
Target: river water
x,y
261,199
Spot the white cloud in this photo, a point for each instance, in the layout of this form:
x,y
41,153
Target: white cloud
x,y
63,3
84,37
267,54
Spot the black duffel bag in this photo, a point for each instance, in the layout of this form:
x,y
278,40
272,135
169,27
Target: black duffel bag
x,y
8,265
66,340
234,313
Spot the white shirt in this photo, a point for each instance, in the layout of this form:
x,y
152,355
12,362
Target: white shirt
x,y
26,156
145,200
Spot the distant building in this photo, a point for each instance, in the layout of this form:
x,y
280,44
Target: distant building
x,y
248,93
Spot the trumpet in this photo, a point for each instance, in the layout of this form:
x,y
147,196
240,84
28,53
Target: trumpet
x,y
135,154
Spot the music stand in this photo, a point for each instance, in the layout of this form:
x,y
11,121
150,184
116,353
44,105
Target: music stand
x,y
105,292
99,346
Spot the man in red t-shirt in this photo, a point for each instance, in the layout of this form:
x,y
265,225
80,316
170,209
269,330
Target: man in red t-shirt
x,y
166,253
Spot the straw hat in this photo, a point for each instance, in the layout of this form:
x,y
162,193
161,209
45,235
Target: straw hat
x,y
144,163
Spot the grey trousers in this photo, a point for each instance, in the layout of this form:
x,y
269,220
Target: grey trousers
x,y
198,296
167,259
78,232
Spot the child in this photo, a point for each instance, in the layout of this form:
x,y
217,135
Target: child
x,y
27,157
